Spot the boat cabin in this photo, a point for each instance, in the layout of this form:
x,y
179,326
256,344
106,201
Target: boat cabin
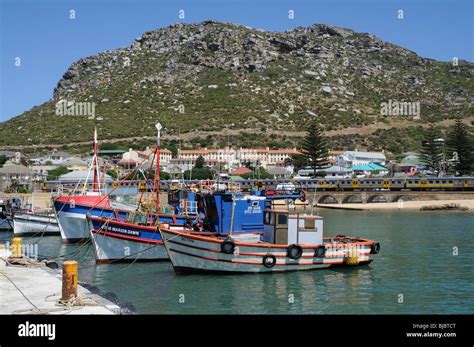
x,y
185,202
281,227
234,212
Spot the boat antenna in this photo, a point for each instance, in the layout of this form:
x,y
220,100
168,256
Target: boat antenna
x,y
96,162
156,179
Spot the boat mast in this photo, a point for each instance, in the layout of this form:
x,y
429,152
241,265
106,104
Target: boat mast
x,y
96,162
156,179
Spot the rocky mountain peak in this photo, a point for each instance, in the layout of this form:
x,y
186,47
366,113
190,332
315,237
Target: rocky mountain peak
x,y
213,76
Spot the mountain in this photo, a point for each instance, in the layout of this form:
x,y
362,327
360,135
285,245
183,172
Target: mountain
x,y
216,83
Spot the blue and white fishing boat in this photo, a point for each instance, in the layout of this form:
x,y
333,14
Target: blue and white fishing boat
x,y
137,236
131,238
71,214
70,210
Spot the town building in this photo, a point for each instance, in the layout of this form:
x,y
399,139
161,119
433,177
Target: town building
x,y
20,174
370,169
353,158
410,165
234,158
13,157
279,172
83,177
184,164
240,171
54,158
133,158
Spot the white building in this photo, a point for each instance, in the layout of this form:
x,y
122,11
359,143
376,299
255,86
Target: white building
x,y
54,158
353,158
132,158
20,174
13,157
235,158
83,177
277,157
184,164
253,155
226,155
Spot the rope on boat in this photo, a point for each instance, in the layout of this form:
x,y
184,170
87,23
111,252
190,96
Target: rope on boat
x,y
118,259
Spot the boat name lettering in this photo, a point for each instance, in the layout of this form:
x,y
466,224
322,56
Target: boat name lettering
x,y
187,240
253,209
123,231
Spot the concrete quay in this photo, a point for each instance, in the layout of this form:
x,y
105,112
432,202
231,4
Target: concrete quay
x,y
28,286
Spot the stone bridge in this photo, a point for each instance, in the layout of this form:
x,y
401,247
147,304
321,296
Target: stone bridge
x,y
363,197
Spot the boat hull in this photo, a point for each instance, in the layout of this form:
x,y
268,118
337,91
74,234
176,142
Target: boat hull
x,y
73,223
189,252
32,225
116,240
72,219
110,248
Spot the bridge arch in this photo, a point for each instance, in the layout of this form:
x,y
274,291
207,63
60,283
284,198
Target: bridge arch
x,y
402,197
328,199
377,198
352,199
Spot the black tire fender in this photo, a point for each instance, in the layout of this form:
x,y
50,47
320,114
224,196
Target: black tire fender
x,y
294,251
269,260
228,246
320,252
375,248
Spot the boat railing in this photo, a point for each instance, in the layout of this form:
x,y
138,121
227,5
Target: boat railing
x,y
207,184
234,186
220,185
188,207
177,185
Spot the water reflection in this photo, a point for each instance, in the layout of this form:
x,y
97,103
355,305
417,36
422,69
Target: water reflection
x,y
416,260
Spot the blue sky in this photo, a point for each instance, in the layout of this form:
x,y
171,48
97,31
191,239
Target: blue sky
x,y
48,41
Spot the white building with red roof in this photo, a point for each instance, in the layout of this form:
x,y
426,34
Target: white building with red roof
x,y
237,157
132,158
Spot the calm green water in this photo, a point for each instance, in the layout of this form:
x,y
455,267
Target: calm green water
x,y
416,260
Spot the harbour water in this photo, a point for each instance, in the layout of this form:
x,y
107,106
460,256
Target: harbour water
x,y
416,272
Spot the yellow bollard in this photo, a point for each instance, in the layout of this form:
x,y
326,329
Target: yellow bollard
x,y
16,248
69,280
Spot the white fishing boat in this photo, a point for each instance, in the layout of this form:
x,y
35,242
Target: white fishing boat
x,y
289,242
116,240
32,224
